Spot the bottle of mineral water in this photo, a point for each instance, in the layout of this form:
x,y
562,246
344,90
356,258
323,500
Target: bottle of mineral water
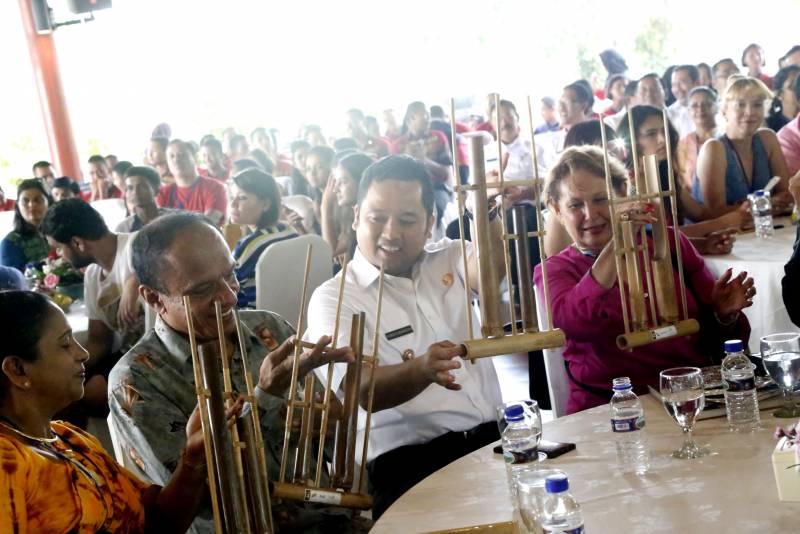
x,y
627,424
741,400
520,440
762,213
561,513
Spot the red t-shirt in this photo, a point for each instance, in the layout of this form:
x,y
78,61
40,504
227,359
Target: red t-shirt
x,y
203,195
204,173
8,205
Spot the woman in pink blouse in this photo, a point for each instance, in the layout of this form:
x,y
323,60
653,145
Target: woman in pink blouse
x,y
585,294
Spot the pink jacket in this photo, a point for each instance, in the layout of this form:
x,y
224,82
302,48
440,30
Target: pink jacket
x,y
789,138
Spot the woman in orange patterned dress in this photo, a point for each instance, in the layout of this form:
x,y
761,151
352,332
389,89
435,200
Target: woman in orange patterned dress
x,y
54,477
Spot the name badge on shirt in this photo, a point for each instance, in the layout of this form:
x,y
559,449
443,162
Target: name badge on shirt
x,y
400,332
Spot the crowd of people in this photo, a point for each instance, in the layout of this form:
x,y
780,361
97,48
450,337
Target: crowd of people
x,y
200,215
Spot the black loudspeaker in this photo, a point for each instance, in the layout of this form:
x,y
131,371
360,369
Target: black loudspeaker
x,y
85,6
41,16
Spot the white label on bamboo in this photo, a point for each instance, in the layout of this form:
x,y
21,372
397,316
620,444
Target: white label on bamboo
x,y
322,497
661,333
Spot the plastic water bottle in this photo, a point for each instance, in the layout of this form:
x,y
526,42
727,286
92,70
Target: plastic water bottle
x,y
627,424
762,213
561,513
741,400
519,439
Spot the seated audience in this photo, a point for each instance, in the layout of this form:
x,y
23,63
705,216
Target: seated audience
x,y
429,407
100,176
157,158
789,135
319,165
391,130
43,170
745,157
56,477
784,106
792,57
313,134
217,166
338,202
753,59
237,147
142,185
111,160
191,191
704,75
703,112
299,184
365,142
723,69
118,174
548,113
152,390
116,321
585,294
684,78
255,203
629,100
264,162
64,188
25,243
650,92
615,91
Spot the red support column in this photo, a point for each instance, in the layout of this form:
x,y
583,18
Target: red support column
x,y
42,49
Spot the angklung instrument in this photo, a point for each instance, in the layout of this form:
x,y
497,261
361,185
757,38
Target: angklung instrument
x,y
650,310
237,468
301,476
523,335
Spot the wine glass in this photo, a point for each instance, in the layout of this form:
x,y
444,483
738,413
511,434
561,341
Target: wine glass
x,y
780,354
532,414
683,397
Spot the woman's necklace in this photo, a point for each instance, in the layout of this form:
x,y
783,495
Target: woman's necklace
x,y
11,425
585,251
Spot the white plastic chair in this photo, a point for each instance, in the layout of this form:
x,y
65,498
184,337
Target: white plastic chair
x,y
557,379
112,210
279,274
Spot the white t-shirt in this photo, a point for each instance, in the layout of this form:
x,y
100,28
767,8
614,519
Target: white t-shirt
x,y
102,290
431,303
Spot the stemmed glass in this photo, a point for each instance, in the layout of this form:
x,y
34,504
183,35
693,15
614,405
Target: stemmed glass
x,y
683,397
780,354
532,414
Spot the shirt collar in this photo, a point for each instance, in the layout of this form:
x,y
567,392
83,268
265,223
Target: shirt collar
x,y
178,346
365,274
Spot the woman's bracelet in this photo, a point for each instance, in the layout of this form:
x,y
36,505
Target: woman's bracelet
x,y
728,323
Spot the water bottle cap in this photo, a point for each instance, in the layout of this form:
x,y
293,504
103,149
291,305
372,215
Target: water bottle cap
x,y
621,384
514,412
759,193
556,483
734,345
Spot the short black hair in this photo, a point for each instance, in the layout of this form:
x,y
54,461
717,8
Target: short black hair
x,y
588,133
583,91
792,50
437,112
73,218
719,63
212,142
160,141
153,242
40,165
344,143
611,80
750,47
300,144
403,168
262,185
263,160
691,70
149,174
97,158
325,153
65,182
704,89
121,167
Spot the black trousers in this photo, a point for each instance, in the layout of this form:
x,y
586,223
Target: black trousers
x,y
393,473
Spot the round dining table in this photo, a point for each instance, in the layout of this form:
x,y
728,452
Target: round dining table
x,y
732,490
763,259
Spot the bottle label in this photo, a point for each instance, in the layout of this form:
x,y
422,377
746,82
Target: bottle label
x,y
521,457
627,425
577,530
740,384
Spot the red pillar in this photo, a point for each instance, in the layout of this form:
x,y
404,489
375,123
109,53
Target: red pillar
x,y
42,49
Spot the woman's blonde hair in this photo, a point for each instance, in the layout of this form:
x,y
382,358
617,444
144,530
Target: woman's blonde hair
x,y
586,158
738,84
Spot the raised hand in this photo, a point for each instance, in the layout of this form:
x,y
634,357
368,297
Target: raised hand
x,y
731,295
438,361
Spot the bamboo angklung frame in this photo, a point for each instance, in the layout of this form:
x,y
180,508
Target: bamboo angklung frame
x,y
301,486
494,341
650,314
237,468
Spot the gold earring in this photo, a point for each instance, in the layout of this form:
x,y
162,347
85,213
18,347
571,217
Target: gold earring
x,y
27,383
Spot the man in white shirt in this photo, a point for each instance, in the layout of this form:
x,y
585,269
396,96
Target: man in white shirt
x,y
684,79
430,407
116,321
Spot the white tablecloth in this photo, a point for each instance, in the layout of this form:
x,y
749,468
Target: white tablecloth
x,y
763,259
731,491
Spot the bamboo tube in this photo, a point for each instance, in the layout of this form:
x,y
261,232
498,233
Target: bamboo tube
x,y
523,342
460,199
502,217
489,280
256,490
357,342
306,432
527,308
295,371
323,430
375,359
632,340
350,397
297,492
636,294
675,222
202,395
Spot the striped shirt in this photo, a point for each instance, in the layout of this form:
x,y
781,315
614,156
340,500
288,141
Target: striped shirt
x,y
246,253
